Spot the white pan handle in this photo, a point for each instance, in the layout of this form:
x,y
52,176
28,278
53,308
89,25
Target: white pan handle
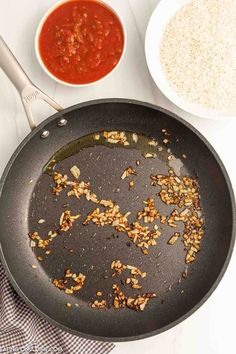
x,y
28,92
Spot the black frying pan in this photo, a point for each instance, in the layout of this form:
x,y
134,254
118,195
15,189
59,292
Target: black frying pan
x,y
26,197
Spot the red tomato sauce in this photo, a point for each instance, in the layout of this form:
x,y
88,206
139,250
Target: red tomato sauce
x,y
81,41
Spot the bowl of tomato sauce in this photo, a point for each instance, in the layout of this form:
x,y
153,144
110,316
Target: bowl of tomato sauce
x,y
80,42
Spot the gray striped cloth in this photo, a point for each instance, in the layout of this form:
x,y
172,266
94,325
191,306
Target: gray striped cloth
x,y
23,331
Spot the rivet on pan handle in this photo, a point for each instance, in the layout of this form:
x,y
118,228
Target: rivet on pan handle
x,y
28,92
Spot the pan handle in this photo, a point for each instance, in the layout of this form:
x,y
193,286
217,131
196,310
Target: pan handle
x,y
28,92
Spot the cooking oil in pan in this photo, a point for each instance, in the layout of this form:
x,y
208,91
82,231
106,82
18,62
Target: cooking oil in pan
x,y
149,148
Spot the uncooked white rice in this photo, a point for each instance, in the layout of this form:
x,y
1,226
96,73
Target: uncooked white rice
x,y
198,53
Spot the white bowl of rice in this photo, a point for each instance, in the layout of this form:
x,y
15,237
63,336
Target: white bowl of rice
x,y
190,50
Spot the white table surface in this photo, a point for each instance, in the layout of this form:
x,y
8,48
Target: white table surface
x,y
211,329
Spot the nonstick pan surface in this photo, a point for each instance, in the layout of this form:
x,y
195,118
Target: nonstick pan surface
x,y
26,197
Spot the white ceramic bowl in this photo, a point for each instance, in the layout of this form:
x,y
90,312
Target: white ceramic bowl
x,y
161,16
36,44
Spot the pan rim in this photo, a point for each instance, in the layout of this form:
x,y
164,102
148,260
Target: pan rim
x,y
233,207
